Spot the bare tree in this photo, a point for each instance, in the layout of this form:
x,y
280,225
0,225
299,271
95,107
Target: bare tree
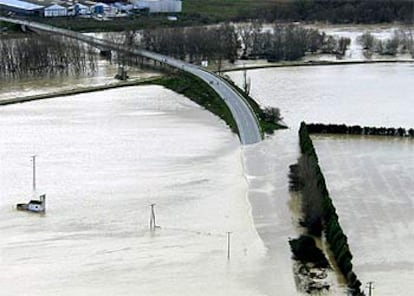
x,y
45,55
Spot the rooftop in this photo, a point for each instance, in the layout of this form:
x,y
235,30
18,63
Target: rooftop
x,y
20,4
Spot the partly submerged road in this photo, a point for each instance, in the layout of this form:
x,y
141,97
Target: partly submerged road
x,y
244,116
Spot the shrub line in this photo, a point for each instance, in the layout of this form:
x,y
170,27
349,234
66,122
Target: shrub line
x,y
329,220
320,128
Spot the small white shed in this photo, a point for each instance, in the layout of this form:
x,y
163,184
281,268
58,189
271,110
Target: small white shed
x,y
55,10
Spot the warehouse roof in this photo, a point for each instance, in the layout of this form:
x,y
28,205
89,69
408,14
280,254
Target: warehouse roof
x,y
20,4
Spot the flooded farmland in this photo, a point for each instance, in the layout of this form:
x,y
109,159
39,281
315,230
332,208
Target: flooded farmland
x,y
102,159
376,95
371,181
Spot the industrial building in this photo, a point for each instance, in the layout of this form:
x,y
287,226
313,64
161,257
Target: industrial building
x,y
99,8
159,6
55,10
21,7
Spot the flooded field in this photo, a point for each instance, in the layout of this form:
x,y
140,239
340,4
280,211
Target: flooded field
x,y
371,181
103,158
377,95
104,75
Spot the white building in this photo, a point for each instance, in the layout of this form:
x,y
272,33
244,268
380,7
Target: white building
x,y
21,7
103,9
55,10
81,9
37,206
159,6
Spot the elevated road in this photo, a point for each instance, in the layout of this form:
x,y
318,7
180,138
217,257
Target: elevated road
x,y
244,116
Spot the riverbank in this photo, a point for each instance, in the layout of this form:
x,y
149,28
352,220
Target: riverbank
x,y
78,90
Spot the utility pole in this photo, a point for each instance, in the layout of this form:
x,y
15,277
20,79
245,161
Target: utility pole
x,y
370,288
34,172
228,245
153,225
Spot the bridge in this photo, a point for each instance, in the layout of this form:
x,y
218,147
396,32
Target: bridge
x,y
243,114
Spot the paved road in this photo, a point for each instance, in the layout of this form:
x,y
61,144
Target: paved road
x,y
246,120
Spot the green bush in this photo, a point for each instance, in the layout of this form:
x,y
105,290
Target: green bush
x,y
305,250
200,92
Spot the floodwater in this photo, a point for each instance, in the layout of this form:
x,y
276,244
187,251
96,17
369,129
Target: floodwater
x,y
104,74
102,159
372,183
353,32
376,95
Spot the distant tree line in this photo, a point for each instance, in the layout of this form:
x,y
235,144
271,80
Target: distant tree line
x,y
320,128
194,43
289,42
245,41
337,11
402,41
319,212
44,55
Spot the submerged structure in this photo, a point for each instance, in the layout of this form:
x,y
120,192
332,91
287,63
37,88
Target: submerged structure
x,y
36,206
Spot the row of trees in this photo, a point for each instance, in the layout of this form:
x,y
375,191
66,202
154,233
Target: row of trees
x,y
401,42
318,209
194,43
320,128
44,55
230,42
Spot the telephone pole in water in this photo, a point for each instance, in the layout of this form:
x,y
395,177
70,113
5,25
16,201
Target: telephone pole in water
x,y
152,218
370,288
228,245
34,172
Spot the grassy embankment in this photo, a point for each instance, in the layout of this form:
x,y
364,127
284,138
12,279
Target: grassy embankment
x,y
9,28
267,127
231,10
201,93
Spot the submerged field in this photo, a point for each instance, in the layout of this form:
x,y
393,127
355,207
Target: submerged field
x,y
376,95
371,182
103,158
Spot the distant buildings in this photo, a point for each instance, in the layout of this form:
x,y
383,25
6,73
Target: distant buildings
x,y
101,9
